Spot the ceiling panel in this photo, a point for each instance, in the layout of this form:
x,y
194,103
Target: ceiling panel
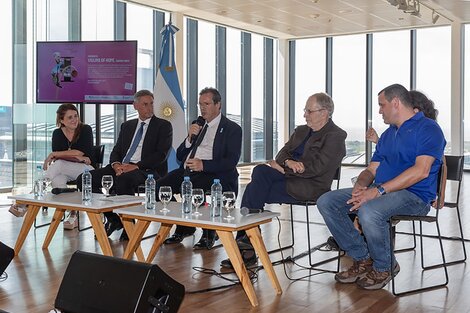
x,y
292,19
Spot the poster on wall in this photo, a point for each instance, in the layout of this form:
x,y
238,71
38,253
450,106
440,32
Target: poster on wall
x,y
86,71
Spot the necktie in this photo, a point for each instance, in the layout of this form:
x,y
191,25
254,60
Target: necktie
x,y
198,142
134,144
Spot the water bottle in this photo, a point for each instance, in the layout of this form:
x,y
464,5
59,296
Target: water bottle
x,y
216,198
150,202
38,184
186,195
86,186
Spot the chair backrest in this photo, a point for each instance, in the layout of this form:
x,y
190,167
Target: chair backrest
x,y
454,166
441,186
337,176
98,154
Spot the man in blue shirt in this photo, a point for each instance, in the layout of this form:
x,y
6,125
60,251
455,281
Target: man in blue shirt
x,y
401,179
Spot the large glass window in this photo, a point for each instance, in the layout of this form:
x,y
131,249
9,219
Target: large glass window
x,y
206,54
391,64
98,24
466,137
257,98
6,126
349,93
310,69
433,71
234,75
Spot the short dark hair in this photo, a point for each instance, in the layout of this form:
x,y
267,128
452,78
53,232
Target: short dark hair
x,y
216,98
423,104
142,93
397,90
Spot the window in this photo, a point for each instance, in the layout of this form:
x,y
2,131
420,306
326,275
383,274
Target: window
x,y
310,69
349,93
257,98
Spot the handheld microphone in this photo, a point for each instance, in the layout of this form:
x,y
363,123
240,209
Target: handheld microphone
x,y
200,121
57,191
245,211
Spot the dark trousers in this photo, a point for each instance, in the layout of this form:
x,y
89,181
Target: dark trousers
x,y
267,185
198,179
124,184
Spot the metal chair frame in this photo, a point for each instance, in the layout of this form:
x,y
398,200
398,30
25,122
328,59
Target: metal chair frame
x,y
429,219
311,249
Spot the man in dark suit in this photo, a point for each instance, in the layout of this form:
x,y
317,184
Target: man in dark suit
x,y
142,148
215,155
303,169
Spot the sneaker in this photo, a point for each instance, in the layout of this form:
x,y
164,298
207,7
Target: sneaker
x,y
358,270
71,222
377,280
18,210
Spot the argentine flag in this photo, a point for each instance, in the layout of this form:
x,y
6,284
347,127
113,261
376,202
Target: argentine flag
x,y
168,102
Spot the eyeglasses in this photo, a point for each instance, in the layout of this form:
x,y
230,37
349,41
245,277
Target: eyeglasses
x,y
312,111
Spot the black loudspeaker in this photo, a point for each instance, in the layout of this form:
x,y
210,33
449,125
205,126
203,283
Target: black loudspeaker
x,y
95,283
6,255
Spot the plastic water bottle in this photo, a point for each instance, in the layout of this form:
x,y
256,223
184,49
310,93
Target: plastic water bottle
x,y
216,198
150,192
86,186
186,195
38,184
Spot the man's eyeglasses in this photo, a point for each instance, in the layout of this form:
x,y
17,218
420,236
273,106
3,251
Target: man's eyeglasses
x,y
312,111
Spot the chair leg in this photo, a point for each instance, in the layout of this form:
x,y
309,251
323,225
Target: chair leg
x,y
45,224
394,232
461,239
314,266
78,222
292,234
443,264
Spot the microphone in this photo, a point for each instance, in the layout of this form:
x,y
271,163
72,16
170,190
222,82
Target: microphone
x,y
200,121
245,211
57,191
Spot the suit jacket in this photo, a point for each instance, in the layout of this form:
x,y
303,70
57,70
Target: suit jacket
x,y
155,148
322,156
225,154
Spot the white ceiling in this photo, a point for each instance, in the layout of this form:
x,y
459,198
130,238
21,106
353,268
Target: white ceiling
x,y
290,19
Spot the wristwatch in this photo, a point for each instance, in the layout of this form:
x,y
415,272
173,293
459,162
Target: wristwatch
x,y
381,190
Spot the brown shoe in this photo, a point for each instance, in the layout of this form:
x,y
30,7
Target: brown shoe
x,y
358,270
377,280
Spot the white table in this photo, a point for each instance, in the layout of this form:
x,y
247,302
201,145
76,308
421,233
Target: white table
x,y
72,201
224,229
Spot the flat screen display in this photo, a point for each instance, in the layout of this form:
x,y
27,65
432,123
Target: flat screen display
x,y
86,71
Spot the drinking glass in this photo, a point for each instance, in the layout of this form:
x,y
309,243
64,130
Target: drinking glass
x,y
198,199
164,194
229,199
107,183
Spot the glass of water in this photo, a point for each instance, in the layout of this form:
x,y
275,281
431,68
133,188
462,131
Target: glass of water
x,y
164,194
107,183
198,199
229,199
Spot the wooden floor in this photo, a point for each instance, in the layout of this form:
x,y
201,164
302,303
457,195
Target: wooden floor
x,y
35,275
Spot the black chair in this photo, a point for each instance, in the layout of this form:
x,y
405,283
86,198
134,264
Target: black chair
x,y
454,165
315,265
428,219
98,156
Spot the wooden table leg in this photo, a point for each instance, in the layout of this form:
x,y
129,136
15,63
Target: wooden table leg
x,y
100,232
135,237
258,243
28,221
129,227
159,238
233,252
56,219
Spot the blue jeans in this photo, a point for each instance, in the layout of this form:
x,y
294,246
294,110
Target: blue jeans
x,y
374,217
